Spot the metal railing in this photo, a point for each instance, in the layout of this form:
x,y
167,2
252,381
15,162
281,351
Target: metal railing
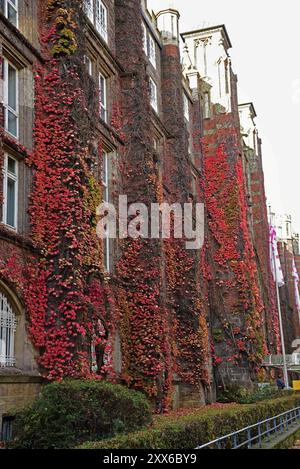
x,y
255,435
277,360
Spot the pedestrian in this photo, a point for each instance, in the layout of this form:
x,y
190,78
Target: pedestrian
x,y
280,383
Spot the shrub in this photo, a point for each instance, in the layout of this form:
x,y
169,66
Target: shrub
x,y
69,413
197,428
249,396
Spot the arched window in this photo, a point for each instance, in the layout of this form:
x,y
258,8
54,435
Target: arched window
x,y
8,325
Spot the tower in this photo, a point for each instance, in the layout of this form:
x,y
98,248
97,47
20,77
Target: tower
x,y
209,51
168,25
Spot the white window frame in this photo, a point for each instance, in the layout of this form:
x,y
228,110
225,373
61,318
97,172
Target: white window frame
x,y
105,177
151,50
105,183
153,96
14,177
145,38
15,7
7,108
8,325
103,105
101,17
149,45
89,9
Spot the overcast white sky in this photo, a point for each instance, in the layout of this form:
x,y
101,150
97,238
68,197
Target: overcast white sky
x,y
266,40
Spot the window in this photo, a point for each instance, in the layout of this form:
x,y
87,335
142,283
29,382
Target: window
x,y
11,105
7,429
186,107
8,325
89,9
103,97
189,144
89,65
105,183
10,192
101,19
145,35
10,10
105,178
153,95
149,46
206,106
152,51
96,11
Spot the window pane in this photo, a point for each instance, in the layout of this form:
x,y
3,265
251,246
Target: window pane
x,y
153,94
103,113
106,254
12,124
12,14
11,165
101,19
145,38
186,107
102,94
7,429
12,88
88,64
7,333
11,198
152,51
89,9
102,90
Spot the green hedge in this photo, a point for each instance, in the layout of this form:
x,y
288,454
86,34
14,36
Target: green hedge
x,y
242,395
199,427
69,413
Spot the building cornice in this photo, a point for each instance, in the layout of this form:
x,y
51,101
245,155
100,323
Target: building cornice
x,y
205,31
251,107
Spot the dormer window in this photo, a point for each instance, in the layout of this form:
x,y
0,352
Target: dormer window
x,y
10,10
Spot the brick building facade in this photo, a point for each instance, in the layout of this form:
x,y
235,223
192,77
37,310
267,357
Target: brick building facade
x,y
288,249
114,113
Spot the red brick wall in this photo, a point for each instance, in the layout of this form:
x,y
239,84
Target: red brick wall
x,y
290,315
